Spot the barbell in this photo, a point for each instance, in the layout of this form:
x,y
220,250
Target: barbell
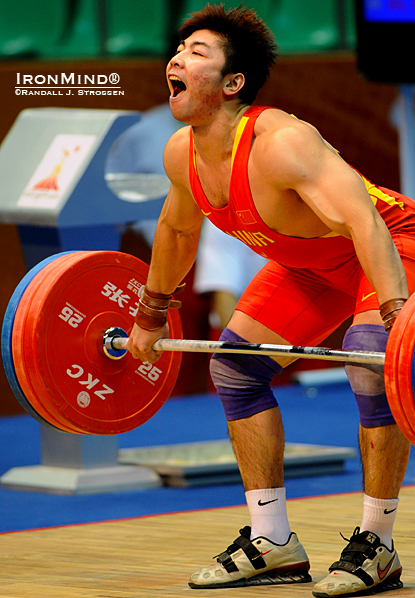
x,y
115,340
64,337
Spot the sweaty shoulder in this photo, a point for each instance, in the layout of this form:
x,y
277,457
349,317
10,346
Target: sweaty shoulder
x,y
284,145
273,121
176,156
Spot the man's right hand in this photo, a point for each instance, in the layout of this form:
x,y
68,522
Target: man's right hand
x,y
140,344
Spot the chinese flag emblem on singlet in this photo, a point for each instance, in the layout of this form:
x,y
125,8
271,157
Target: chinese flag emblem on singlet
x,y
246,217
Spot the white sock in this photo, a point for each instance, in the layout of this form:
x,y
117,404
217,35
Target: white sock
x,y
268,512
379,516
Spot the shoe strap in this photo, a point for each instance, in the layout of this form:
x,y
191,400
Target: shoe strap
x,y
251,552
353,557
351,568
366,550
227,562
249,549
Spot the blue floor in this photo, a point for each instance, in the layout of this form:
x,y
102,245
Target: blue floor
x,y
327,415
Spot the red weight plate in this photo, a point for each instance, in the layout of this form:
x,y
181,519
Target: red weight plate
x,y
406,356
396,381
22,351
97,395
404,363
39,386
34,385
6,338
23,373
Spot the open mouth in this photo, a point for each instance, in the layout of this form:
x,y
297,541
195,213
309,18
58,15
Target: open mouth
x,y
177,86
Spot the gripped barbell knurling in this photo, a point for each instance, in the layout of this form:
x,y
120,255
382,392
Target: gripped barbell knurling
x,y
199,346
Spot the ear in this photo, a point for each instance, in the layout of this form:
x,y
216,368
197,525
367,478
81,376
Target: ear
x,y
233,84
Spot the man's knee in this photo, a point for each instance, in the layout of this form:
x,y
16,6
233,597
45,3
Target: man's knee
x,y
243,381
367,381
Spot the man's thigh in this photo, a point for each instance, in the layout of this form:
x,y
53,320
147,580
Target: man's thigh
x,y
284,306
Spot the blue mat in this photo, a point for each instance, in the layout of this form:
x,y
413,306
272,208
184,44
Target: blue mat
x,y
327,417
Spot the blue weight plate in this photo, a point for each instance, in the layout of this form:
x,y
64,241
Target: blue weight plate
x,y
6,338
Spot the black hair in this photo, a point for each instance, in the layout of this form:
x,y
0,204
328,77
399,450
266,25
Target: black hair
x,y
249,45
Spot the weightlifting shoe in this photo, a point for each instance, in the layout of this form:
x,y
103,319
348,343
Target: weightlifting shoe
x,y
366,567
255,562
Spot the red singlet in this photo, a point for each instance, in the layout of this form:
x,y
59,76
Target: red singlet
x,y
309,286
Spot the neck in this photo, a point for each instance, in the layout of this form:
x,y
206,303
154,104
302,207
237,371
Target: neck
x,y
214,140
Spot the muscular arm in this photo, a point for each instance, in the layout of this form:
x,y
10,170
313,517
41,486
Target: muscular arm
x,y
175,242
337,195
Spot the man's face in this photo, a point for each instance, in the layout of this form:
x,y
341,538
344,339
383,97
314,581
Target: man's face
x,y
195,80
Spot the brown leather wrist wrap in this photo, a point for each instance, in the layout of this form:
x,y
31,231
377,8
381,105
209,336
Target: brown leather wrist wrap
x,y
389,311
152,308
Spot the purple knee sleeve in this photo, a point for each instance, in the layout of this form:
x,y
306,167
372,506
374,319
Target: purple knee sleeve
x,y
367,381
243,381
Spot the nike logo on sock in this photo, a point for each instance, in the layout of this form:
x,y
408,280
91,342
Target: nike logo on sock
x,y
262,504
387,512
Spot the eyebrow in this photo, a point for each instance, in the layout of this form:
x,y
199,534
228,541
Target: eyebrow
x,y
196,43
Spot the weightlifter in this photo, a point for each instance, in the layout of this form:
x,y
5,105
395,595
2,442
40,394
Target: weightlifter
x,y
337,245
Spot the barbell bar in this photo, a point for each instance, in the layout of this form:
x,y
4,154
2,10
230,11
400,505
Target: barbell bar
x,y
115,346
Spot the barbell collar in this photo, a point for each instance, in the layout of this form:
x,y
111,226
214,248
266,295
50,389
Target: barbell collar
x,y
200,346
107,342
